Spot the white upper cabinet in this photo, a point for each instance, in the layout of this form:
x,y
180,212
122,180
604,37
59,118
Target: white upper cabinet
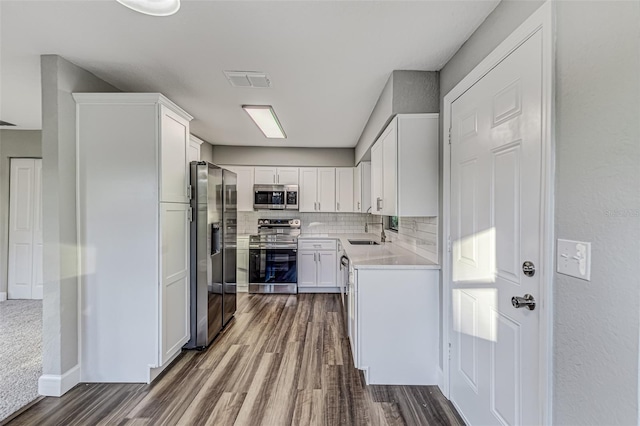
x,y
265,175
376,178
362,187
174,147
404,167
194,149
326,189
308,191
317,190
245,179
287,176
276,175
344,189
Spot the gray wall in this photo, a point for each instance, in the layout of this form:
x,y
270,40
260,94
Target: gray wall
x,y
266,156
598,199
596,324
13,144
206,152
60,79
405,92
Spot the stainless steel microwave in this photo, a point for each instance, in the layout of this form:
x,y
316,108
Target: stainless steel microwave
x,y
275,197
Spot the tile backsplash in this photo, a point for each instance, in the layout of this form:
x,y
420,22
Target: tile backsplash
x,y
418,234
312,223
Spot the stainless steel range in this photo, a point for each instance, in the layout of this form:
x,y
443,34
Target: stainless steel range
x,y
273,257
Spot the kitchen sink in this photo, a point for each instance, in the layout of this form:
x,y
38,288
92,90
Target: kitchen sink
x,y
363,243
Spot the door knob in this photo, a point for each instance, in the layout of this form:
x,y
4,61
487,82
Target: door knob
x,y
524,302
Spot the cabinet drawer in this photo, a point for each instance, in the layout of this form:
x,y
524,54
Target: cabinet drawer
x,y
317,244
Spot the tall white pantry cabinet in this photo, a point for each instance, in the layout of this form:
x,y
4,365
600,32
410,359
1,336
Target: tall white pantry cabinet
x,y
134,219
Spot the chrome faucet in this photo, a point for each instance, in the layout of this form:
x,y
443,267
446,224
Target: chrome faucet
x,y
383,236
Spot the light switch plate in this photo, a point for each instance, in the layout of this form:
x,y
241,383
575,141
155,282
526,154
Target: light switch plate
x,y
574,259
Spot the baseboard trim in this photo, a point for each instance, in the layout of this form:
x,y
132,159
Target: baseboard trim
x,y
3,296
59,384
440,380
318,289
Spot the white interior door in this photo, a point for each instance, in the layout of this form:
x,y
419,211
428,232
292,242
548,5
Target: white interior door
x,y
496,142
25,229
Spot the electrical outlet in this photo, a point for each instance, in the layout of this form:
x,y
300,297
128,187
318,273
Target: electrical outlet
x,y
574,259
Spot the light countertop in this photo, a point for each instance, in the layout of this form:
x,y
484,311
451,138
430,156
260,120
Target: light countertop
x,y
383,256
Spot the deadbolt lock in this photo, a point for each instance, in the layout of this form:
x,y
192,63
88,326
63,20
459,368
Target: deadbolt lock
x,y
528,268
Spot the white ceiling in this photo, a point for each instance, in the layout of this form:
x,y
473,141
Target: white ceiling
x,y
327,60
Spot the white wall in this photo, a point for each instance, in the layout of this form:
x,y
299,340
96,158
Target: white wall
x,y
60,79
296,157
597,323
13,144
597,199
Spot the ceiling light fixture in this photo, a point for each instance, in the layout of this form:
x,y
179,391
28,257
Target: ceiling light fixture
x,y
152,7
265,118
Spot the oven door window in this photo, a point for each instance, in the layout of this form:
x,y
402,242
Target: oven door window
x,y
273,266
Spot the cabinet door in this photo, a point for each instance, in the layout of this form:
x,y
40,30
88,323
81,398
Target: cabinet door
x,y
174,286
244,187
365,186
389,170
307,268
327,269
376,178
287,176
174,148
344,189
265,175
327,189
308,190
194,150
353,326
357,189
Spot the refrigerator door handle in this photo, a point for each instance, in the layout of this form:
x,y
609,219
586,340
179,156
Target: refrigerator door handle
x,y
215,238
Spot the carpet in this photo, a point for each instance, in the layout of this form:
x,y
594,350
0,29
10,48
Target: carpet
x,y
20,353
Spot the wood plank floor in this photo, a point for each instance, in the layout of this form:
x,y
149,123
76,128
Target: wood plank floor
x,y
283,360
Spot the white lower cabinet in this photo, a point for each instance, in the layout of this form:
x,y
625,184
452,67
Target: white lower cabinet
x,y
317,265
393,325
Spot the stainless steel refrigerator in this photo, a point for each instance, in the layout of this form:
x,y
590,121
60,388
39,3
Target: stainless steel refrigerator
x,y
213,251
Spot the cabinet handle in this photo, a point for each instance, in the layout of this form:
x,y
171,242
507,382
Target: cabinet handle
x,y
319,208
359,206
338,206
378,204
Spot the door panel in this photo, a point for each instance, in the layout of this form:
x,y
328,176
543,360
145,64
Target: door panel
x,y
390,170
376,178
25,229
327,267
174,153
344,189
175,278
308,190
496,159
327,189
307,268
287,176
38,278
265,175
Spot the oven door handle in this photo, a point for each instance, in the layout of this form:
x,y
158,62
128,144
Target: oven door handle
x,y
273,247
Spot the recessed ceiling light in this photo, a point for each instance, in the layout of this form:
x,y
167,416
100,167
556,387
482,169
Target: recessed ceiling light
x,y
5,123
265,118
152,7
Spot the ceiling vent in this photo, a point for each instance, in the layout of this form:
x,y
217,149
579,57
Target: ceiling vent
x,y
252,79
